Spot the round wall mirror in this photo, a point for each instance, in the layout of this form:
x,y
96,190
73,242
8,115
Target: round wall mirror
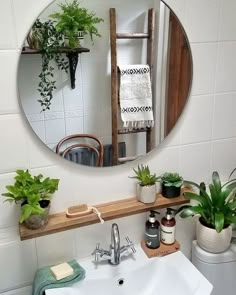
x,y
111,91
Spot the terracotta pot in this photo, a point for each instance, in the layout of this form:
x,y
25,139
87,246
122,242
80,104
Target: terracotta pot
x,y
33,41
211,241
170,191
146,194
36,221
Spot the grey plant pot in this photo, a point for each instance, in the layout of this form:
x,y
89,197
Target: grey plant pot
x,y
146,194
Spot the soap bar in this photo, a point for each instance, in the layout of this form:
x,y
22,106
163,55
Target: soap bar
x,y
61,271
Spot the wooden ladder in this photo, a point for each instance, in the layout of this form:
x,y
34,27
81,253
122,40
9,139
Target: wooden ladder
x,y
114,80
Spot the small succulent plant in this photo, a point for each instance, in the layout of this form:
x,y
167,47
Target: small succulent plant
x,y
144,176
172,179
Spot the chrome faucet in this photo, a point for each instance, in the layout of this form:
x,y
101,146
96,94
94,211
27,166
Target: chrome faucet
x,y
115,244
114,254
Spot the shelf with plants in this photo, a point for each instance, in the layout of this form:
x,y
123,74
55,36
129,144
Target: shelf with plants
x,y
67,50
60,34
112,210
71,53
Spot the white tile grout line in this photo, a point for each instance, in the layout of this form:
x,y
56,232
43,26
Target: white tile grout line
x,y
14,23
215,75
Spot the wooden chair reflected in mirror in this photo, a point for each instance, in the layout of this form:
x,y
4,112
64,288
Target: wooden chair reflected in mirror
x,y
90,152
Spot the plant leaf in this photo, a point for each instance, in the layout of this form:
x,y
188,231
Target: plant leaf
x,y
219,221
195,210
232,205
216,182
26,211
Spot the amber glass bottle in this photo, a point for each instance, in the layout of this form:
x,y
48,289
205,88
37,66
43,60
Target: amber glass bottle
x,y
168,225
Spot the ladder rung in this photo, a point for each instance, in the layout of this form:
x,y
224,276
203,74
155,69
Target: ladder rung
x,y
127,159
129,131
132,36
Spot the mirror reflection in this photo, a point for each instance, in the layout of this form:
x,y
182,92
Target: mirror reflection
x,y
105,100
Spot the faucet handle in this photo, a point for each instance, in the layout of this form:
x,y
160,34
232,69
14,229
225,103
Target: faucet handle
x,y
96,252
130,244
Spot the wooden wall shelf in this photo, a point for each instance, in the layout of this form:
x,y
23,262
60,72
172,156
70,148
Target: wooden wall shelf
x,y
72,55
27,50
59,222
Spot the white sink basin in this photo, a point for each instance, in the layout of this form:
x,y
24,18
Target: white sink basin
x,y
139,275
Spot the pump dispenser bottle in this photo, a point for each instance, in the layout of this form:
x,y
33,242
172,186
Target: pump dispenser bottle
x,y
152,231
168,225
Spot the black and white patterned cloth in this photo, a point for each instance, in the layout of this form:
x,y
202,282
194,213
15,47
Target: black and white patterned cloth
x,y
136,96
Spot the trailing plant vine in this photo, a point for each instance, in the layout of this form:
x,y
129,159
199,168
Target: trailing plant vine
x,y
49,41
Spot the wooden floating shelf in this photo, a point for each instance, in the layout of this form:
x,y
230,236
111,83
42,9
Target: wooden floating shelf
x,y
112,210
27,50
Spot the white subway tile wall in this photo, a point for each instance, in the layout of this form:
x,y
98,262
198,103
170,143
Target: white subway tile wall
x,y
203,140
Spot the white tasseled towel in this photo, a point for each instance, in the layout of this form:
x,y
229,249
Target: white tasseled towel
x,y
136,96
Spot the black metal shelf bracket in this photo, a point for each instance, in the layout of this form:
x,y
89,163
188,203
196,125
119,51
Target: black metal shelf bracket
x,y
73,58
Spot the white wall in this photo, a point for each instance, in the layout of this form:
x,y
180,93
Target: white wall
x,y
204,140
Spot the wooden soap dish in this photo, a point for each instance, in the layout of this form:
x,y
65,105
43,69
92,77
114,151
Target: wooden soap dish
x,y
161,251
78,211
83,210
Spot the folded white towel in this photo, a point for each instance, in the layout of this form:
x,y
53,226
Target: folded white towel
x,y
136,96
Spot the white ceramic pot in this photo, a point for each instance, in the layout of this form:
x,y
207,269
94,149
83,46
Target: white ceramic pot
x,y
211,241
80,36
146,194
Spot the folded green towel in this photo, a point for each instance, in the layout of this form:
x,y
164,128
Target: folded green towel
x,y
45,280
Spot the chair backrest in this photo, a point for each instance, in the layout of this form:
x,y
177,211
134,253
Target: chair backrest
x,y
98,151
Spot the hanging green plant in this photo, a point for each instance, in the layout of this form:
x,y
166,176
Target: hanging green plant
x,y
48,40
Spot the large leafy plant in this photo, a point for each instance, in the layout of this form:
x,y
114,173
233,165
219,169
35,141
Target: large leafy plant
x,y
144,176
74,18
45,37
30,191
172,179
217,207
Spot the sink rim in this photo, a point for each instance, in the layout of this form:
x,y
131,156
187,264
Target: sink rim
x,y
134,262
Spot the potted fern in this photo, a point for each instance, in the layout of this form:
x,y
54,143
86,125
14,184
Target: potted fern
x,y
171,184
146,186
34,194
216,208
75,21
